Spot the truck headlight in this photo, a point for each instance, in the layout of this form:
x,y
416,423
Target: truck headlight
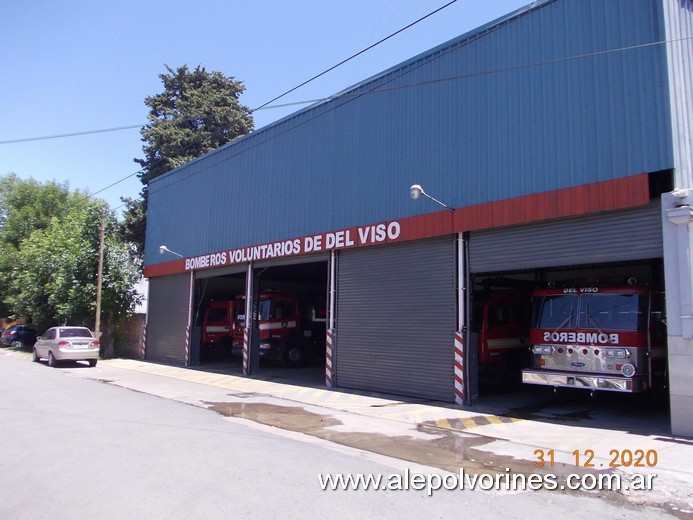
x,y
265,346
545,350
628,370
620,353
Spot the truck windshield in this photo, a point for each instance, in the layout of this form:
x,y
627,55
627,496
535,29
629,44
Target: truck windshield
x,y
217,314
555,311
264,307
613,312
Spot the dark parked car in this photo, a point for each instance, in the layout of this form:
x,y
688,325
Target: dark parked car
x,y
19,336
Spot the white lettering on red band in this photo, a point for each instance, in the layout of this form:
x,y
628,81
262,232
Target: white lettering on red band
x,y
582,338
354,237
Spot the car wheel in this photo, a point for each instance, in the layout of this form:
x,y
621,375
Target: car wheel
x,y
52,362
34,356
92,362
17,344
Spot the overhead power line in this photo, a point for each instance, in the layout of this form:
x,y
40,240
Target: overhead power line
x,y
347,97
261,107
374,91
130,127
353,56
116,182
72,134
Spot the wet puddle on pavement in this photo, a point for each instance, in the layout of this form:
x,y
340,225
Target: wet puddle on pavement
x,y
445,449
448,450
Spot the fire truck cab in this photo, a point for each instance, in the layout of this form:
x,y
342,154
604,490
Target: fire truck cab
x,y
501,320
217,329
292,330
598,337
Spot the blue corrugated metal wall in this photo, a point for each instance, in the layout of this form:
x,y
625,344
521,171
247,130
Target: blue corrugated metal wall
x,y
545,100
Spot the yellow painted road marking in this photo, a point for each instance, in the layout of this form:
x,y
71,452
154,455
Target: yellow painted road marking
x,y
471,422
242,384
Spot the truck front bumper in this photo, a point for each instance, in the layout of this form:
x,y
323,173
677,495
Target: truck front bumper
x,y
270,350
586,381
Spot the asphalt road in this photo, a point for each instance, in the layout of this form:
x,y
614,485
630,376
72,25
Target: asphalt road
x,y
75,448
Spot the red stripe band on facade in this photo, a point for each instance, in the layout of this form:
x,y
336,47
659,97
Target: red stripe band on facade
x,y
621,193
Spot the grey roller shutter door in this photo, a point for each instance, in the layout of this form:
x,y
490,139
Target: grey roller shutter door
x,y
396,319
167,318
633,234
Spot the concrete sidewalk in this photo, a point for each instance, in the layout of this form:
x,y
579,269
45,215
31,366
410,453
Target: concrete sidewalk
x,y
436,435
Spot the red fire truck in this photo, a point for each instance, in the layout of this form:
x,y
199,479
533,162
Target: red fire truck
x,y
598,337
292,329
501,320
217,329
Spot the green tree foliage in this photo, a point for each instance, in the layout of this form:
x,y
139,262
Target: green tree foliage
x,y
28,205
197,112
25,206
132,228
51,274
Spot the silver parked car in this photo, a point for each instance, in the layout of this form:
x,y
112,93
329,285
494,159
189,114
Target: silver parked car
x,y
67,344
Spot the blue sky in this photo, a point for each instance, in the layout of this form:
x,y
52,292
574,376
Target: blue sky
x,y
74,66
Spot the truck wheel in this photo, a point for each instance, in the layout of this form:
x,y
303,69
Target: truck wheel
x,y
294,355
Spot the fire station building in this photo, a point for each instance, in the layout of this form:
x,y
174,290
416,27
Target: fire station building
x,y
552,144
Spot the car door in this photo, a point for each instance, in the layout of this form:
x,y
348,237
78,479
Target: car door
x,y
42,346
39,342
53,340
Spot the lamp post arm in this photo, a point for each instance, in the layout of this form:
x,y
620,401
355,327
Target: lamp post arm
x,y
164,249
437,201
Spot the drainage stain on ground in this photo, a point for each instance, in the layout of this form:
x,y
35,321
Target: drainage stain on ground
x,y
291,418
445,449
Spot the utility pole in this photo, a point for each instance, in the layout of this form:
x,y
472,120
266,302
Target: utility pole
x,y
99,276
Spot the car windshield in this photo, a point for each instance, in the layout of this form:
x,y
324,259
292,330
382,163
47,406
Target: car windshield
x,y
74,332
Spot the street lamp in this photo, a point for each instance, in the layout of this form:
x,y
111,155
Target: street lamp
x,y
416,191
462,373
164,249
